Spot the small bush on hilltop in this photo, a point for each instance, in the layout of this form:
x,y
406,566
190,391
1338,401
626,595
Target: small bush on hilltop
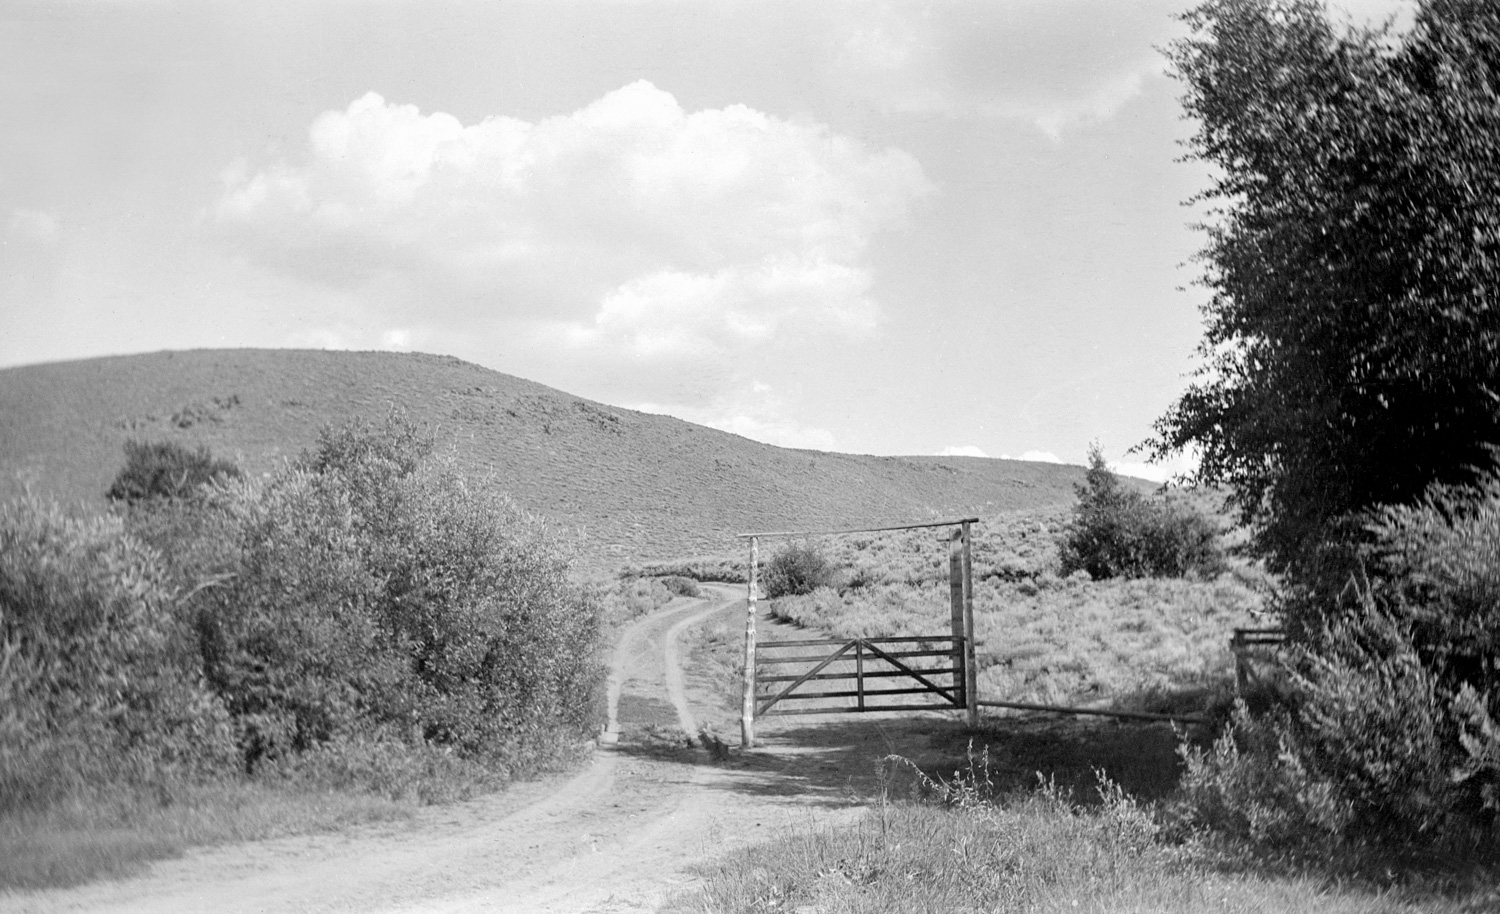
x,y
165,469
1118,532
796,569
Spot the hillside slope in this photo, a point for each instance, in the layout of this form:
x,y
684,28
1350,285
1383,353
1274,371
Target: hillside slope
x,y
634,485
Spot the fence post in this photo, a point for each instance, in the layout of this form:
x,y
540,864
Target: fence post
x,y
956,612
971,671
859,670
747,708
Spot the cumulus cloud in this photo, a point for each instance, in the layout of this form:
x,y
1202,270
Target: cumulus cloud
x,y
1160,472
964,450
1096,105
1059,66
627,231
1035,457
757,412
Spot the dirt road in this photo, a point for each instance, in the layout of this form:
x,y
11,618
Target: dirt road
x,y
619,835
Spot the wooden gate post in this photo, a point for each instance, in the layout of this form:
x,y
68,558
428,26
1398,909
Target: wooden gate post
x,y
971,671
956,611
747,707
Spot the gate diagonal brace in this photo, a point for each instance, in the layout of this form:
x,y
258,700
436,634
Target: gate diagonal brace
x,y
942,692
806,676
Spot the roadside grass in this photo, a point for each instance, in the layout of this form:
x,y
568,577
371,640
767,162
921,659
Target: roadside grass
x,y
1034,852
115,832
89,838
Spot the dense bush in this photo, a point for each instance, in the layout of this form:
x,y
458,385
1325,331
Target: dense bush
x,y
1118,532
796,569
681,586
99,679
367,597
1389,731
379,592
166,469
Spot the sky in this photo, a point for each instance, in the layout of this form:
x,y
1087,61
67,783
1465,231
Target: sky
x,y
951,227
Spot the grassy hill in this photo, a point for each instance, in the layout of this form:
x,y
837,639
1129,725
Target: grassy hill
x,y
636,486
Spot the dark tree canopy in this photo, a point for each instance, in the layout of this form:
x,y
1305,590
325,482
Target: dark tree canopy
x,y
1352,343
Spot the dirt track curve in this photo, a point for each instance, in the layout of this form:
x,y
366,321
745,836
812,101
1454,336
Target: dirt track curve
x,y
618,835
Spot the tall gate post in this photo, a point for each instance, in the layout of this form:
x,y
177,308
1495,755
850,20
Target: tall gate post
x,y
747,707
956,611
971,671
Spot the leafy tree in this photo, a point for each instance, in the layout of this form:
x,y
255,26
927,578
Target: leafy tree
x,y
1352,343
1119,532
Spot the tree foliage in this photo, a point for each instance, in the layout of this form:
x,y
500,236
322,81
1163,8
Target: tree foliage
x,y
1117,532
376,592
1352,343
1392,727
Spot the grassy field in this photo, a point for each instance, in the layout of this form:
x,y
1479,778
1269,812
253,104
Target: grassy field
x,y
633,486
1148,644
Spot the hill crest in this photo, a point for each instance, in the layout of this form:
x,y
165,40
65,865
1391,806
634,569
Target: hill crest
x,y
635,485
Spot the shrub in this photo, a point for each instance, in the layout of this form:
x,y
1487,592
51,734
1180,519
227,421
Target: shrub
x,y
721,569
165,469
377,590
681,586
1394,696
99,681
796,569
1253,784
1118,532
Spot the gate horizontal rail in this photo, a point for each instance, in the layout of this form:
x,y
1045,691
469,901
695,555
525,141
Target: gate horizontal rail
x,y
885,655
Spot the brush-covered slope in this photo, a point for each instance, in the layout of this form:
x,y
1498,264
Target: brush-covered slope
x,y
635,485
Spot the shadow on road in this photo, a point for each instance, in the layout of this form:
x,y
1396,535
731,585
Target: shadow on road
x,y
838,760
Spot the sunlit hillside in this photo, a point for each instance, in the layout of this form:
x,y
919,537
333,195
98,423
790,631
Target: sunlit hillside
x,y
633,485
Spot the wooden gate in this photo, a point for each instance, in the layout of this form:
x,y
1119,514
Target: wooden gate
x,y
866,672
859,664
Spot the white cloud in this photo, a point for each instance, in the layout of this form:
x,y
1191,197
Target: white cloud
x,y
1035,457
965,450
757,412
1098,105
1159,472
1058,65
627,232
397,338
1146,471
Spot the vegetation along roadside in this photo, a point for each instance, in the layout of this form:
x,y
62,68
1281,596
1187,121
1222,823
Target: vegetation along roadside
x,y
225,658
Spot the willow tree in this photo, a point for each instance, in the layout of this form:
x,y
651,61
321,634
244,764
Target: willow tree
x,y
1351,354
